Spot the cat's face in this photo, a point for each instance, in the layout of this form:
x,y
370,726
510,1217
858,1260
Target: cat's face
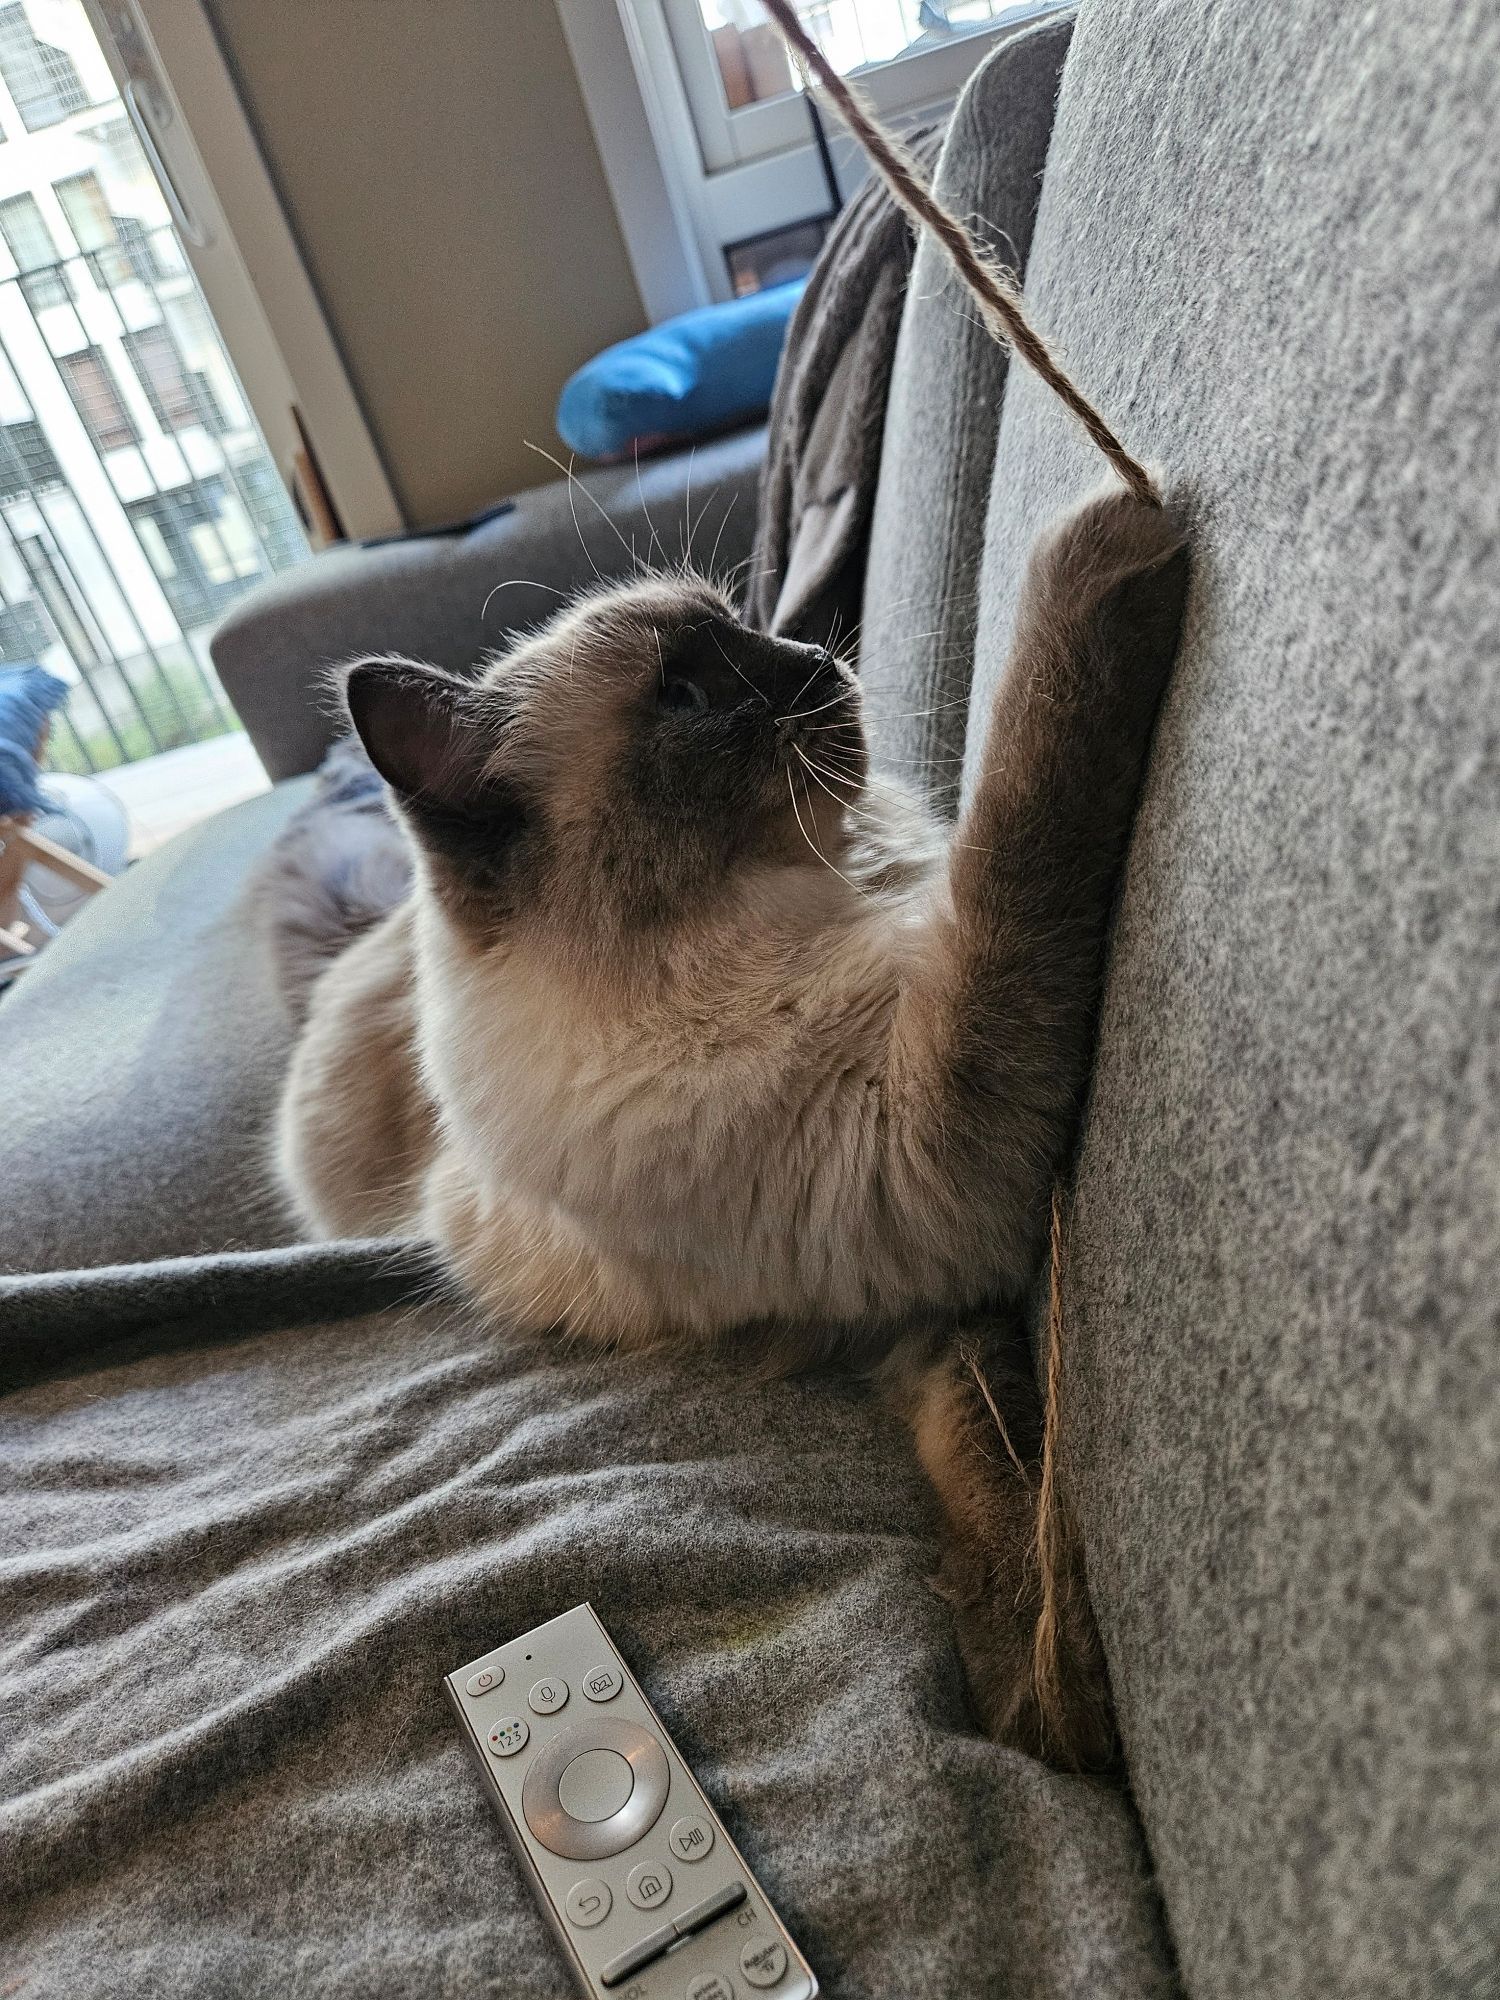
x,y
627,765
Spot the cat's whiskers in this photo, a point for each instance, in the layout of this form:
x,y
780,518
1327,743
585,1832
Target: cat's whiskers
x,y
812,844
655,541
575,484
687,508
802,715
890,714
530,583
826,779
803,689
713,556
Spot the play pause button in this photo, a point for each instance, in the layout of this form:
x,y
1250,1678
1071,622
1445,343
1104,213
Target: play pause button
x,y
690,1839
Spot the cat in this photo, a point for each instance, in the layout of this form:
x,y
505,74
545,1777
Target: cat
x,y
693,1032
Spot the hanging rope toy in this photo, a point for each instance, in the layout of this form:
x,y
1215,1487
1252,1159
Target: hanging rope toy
x,y
994,288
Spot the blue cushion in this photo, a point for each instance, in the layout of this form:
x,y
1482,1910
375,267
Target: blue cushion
x,y
28,696
698,373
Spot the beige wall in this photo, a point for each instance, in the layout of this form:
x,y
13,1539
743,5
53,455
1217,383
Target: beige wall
x,y
437,166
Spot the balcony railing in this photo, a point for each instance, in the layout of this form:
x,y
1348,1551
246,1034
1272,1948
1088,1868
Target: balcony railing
x,y
137,499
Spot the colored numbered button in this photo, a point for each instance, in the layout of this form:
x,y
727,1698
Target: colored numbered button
x,y
510,1734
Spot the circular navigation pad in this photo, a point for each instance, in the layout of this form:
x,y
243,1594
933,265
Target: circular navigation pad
x,y
596,1785
595,1789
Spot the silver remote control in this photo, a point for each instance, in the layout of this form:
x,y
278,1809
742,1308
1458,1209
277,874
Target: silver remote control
x,y
645,1891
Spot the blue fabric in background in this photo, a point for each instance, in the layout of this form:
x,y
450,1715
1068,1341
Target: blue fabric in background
x,y
698,373
28,696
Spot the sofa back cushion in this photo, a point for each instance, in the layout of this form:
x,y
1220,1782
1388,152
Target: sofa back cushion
x,y
1269,245
947,383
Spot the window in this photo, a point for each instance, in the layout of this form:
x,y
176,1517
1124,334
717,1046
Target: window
x,y
163,377
743,94
64,609
30,243
139,249
96,398
742,152
92,222
27,462
123,159
201,544
775,258
41,78
24,633
275,521
854,35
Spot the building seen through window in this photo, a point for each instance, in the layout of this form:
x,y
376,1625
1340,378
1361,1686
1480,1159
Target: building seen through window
x,y
137,500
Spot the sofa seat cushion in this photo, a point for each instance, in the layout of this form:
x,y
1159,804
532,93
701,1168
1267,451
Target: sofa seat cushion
x,y
142,1054
1269,245
453,598
228,1766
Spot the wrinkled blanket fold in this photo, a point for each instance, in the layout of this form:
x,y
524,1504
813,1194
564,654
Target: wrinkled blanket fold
x,y
234,1568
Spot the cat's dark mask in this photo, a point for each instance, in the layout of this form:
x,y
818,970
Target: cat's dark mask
x,y
636,750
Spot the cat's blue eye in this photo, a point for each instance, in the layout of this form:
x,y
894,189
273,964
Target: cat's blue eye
x,y
682,697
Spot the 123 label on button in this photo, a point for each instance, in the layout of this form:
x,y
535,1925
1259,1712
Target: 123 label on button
x,y
510,1734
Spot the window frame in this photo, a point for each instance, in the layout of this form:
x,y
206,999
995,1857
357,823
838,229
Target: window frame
x,y
181,99
94,356
664,189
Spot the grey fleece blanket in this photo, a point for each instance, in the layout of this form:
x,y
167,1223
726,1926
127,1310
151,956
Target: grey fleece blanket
x,y
238,1557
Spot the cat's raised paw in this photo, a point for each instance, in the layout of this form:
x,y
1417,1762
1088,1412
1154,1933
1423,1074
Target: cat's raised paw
x,y
1107,541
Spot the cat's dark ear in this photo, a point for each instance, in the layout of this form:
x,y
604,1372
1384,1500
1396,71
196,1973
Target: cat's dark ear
x,y
423,729
438,743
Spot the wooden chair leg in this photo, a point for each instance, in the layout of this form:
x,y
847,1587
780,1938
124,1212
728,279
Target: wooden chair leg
x,y
82,874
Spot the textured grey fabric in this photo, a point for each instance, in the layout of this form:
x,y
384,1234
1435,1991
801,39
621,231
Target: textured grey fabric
x,y
1269,245
921,593
52,1321
437,599
232,1578
141,1054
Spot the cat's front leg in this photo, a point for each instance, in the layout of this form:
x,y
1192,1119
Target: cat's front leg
x,y
991,1036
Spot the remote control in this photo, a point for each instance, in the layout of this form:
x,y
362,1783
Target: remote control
x,y
646,1893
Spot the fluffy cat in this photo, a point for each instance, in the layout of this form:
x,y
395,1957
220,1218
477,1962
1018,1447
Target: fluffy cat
x,y
690,1028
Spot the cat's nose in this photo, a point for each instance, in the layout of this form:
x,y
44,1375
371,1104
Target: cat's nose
x,y
813,689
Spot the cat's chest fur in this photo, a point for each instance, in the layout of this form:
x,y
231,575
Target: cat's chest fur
x,y
702,1128
659,1109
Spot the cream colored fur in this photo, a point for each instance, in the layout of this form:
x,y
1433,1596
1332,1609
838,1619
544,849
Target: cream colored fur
x,y
713,1139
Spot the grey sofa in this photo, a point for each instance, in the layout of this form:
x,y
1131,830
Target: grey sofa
x,y
258,1499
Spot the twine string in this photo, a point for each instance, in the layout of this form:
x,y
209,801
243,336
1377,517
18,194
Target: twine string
x,y
993,287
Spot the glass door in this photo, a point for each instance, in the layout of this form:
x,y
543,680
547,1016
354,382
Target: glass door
x,y
137,497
